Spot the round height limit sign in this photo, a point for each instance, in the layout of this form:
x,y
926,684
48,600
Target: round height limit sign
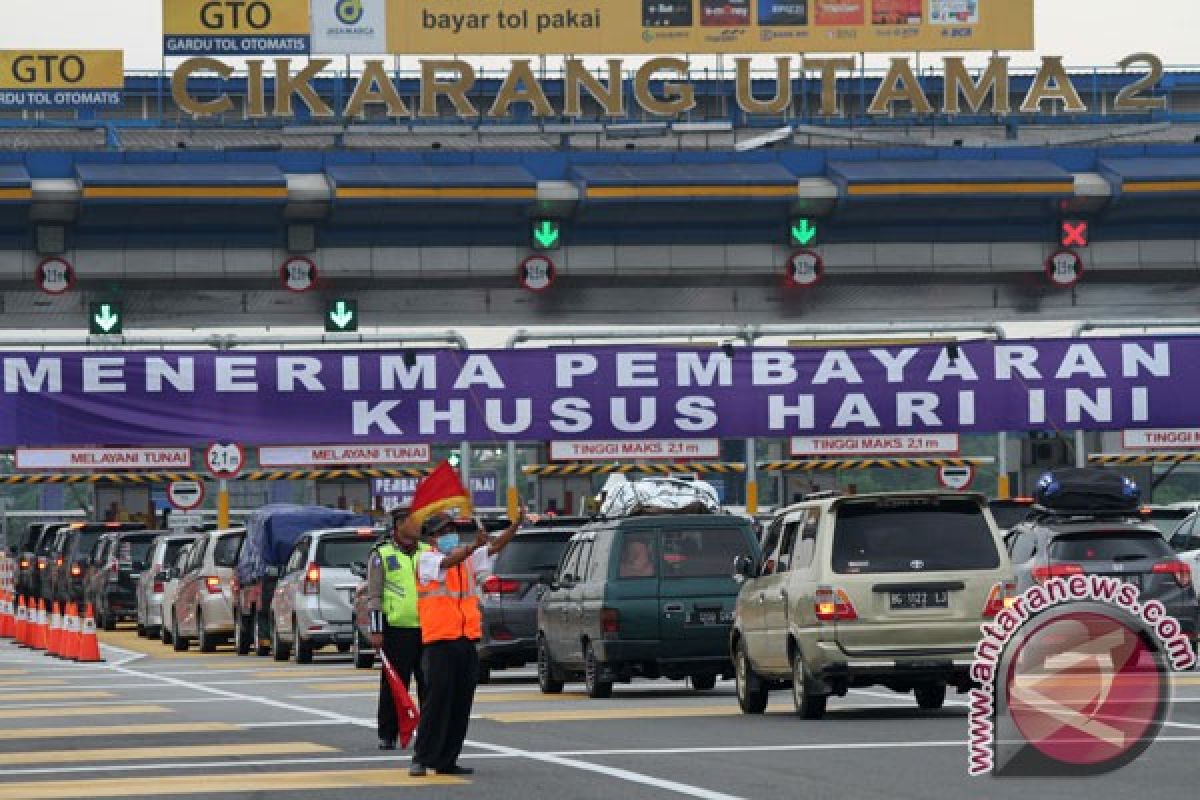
x,y
224,460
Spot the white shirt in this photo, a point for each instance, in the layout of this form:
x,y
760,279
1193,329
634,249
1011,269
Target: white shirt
x,y
429,564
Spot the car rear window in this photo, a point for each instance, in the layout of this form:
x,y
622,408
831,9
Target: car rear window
x,y
707,553
1166,520
46,541
532,552
342,553
1008,514
173,548
85,542
911,535
135,552
1109,546
225,553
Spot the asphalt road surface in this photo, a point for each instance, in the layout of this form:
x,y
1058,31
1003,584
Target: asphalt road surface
x,y
150,722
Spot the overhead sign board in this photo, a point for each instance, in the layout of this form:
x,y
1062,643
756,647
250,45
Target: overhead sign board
x,y
398,492
894,445
335,455
641,449
553,27
349,26
103,458
235,27
1161,439
33,79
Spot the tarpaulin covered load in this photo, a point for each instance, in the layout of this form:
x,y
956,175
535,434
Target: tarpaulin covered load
x,y
272,531
660,496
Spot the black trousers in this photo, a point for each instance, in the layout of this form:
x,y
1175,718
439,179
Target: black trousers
x,y
402,646
451,673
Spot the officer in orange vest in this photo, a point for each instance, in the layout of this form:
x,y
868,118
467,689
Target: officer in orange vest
x,y
448,606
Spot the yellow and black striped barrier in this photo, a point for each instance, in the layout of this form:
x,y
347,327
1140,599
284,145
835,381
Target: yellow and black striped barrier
x,y
829,464
702,467
145,478
1137,459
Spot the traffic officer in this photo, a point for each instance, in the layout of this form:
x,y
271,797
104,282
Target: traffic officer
x,y
395,624
450,627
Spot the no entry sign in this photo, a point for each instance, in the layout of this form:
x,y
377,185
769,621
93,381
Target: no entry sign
x,y
185,495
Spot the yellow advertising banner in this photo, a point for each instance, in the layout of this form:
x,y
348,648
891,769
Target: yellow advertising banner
x,y
610,27
235,27
33,70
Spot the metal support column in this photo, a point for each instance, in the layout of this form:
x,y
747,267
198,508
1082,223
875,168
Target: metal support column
x,y
1003,490
751,481
1080,450
514,496
464,469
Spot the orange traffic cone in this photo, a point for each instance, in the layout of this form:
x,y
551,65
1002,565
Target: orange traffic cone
x,y
21,624
89,644
70,640
38,640
54,639
6,630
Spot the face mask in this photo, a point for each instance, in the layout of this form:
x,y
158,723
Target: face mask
x,y
447,542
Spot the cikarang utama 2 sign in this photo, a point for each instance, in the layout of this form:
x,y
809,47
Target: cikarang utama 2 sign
x,y
660,86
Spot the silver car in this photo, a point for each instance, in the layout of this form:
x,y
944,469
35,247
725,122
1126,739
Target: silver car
x,y
203,606
152,582
172,576
313,604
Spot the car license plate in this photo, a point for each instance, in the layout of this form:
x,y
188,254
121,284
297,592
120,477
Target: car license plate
x,y
710,618
919,599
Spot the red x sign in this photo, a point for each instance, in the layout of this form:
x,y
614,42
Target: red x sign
x,y
1074,233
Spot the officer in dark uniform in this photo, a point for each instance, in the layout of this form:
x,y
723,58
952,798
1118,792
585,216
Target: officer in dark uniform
x,y
395,623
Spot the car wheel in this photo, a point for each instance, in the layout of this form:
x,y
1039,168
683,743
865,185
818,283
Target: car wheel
x,y
164,633
485,673
751,693
343,647
303,649
362,660
704,682
154,632
241,635
808,704
208,642
930,698
279,650
141,630
110,621
178,642
596,688
547,682
261,650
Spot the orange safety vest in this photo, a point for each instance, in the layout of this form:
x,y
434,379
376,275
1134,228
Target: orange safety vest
x,y
450,610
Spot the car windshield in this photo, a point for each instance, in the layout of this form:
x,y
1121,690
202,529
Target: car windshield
x,y
342,552
1109,546
225,554
532,552
706,553
907,534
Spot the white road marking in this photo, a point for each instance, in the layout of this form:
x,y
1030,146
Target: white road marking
x,y
783,748
156,701
332,695
300,723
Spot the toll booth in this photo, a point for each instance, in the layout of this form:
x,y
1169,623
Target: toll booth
x,y
803,476
568,488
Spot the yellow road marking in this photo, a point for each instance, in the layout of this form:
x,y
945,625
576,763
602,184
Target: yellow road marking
x,y
115,754
524,697
214,784
14,672
16,682
57,696
85,711
348,686
585,715
8,734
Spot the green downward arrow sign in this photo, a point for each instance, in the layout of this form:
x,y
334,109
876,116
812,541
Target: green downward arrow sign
x,y
341,315
105,318
803,232
546,234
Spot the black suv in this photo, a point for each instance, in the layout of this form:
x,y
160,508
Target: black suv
x,y
510,593
1058,545
112,573
71,555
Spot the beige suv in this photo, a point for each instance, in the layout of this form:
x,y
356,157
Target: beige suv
x,y
862,590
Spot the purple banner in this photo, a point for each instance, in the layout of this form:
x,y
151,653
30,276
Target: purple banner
x,y
628,392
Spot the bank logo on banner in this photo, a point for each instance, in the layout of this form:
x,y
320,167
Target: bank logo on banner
x,y
349,26
235,27
61,78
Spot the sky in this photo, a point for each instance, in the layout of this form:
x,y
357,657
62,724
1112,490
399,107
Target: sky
x,y
1085,32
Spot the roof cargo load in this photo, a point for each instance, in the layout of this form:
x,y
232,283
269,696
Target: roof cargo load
x,y
272,531
661,496
1091,491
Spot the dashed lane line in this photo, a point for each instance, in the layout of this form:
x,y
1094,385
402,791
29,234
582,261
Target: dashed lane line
x,y
9,734
84,711
88,695
117,754
598,714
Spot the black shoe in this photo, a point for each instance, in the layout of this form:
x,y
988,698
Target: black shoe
x,y
416,770
456,770
387,744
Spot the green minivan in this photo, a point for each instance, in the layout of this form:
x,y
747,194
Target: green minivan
x,y
644,596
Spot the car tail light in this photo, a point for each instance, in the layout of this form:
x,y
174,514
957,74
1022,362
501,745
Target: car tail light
x,y
610,621
501,633
58,562
114,571
834,605
159,587
365,532
112,524
312,580
76,570
1000,598
1043,574
213,584
495,585
24,563
42,563
1181,571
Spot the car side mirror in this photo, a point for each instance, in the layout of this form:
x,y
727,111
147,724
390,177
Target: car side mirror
x,y
743,568
358,569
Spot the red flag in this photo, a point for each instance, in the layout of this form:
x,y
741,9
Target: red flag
x,y
439,491
406,709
